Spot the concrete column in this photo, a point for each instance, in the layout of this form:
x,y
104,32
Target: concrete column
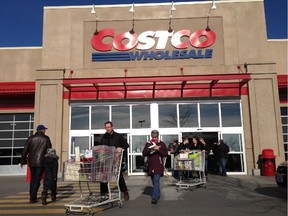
x,y
265,115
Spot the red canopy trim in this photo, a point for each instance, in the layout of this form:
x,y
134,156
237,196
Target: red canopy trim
x,y
156,87
282,80
17,88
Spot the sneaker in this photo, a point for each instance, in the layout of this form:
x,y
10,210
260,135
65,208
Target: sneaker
x,y
154,201
126,196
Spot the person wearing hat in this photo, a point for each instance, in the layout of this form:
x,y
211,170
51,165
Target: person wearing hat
x,y
34,151
156,151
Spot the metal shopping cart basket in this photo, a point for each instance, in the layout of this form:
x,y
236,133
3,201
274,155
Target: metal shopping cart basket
x,y
103,169
190,163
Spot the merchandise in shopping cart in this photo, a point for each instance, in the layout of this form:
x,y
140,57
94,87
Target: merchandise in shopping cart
x,y
193,161
100,169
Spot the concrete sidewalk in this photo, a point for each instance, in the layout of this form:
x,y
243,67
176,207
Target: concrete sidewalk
x,y
225,196
231,195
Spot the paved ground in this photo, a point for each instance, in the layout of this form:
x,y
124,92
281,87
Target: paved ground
x,y
225,196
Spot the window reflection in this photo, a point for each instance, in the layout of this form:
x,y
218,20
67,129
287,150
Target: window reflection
x,y
138,143
121,116
209,115
100,115
188,115
79,118
14,131
168,116
231,115
141,116
234,141
82,142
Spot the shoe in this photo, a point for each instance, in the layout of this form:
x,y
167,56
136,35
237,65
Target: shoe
x,y
126,196
154,201
223,175
33,201
44,197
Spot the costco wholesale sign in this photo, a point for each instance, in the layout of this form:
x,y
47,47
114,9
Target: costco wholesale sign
x,y
191,48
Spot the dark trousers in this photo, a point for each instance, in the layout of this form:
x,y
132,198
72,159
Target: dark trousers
x,y
222,168
36,174
122,185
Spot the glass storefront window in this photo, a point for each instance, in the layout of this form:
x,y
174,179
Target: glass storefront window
x,y
234,141
168,140
231,116
6,117
188,115
79,118
171,119
141,116
99,115
168,116
6,126
82,142
138,143
284,121
235,163
209,115
14,131
121,116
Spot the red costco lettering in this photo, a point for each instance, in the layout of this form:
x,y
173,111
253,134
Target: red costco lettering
x,y
146,40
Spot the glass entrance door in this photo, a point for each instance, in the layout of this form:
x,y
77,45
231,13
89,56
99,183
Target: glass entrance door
x,y
135,159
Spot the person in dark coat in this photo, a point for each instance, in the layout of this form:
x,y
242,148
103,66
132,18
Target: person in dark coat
x,y
112,138
206,149
222,151
51,171
156,151
196,144
34,150
183,146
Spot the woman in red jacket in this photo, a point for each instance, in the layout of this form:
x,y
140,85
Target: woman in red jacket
x,y
156,151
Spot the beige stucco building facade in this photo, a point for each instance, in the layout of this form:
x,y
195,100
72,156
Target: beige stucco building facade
x,y
241,48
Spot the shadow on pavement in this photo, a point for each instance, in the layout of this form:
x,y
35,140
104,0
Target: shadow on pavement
x,y
276,192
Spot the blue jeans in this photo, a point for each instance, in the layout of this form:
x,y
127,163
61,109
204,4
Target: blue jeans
x,y
36,174
206,167
156,186
222,167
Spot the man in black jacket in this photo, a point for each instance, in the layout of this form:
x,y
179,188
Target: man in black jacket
x,y
112,138
34,151
222,151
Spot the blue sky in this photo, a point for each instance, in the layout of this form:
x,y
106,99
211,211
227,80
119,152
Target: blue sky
x,y
21,21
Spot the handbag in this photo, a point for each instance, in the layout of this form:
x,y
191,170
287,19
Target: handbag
x,y
146,165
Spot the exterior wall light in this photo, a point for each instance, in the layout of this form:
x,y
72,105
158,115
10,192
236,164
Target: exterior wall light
x,y
213,7
133,18
170,17
93,11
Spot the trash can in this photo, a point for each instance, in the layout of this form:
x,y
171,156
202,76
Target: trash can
x,y
268,162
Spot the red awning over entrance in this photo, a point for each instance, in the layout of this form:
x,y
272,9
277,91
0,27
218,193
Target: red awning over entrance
x,y
282,81
17,88
157,87
17,95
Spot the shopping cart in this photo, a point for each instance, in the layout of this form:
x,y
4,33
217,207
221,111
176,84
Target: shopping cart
x,y
103,169
187,164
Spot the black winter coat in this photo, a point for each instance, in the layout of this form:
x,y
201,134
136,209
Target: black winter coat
x,y
114,139
35,148
222,151
51,171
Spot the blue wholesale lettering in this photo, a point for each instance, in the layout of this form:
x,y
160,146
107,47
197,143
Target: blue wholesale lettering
x,y
175,54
